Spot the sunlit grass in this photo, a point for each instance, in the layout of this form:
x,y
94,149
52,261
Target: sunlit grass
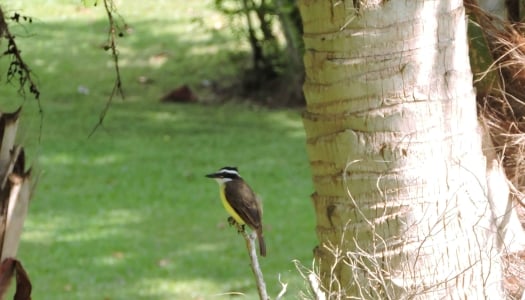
x,y
132,203
128,213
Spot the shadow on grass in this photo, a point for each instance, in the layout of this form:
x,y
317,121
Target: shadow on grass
x,y
128,213
70,63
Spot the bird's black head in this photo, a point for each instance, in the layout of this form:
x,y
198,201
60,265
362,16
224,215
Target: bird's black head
x,y
226,173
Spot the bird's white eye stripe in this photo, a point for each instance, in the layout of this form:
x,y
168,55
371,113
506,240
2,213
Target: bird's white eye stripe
x,y
228,171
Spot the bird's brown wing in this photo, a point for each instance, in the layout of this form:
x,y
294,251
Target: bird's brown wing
x,y
243,200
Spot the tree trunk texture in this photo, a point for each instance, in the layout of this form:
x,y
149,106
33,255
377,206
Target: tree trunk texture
x,y
395,151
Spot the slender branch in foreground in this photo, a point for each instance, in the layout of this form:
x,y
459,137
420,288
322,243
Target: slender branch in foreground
x,y
112,45
254,263
249,238
284,286
311,276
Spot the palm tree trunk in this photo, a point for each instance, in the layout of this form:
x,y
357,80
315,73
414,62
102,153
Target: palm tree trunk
x,y
395,150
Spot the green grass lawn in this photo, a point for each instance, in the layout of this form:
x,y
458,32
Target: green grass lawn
x,y
128,213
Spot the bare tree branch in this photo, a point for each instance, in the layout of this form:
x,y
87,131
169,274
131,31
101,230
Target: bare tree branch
x,y
111,45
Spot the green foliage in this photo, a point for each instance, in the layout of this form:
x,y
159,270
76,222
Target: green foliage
x,y
259,18
272,28
128,213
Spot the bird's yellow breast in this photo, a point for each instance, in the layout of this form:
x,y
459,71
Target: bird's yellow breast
x,y
228,207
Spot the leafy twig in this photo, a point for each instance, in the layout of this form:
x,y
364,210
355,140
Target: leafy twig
x,y
18,69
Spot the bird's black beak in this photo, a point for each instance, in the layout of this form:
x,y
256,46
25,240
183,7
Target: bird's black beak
x,y
213,175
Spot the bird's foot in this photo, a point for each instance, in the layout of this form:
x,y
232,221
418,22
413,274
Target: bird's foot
x,y
232,222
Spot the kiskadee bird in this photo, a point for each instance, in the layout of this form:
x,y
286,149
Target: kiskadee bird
x,y
240,201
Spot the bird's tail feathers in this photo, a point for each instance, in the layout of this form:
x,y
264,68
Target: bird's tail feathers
x,y
262,245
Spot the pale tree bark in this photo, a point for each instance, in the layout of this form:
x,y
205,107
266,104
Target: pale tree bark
x,y
400,178
15,193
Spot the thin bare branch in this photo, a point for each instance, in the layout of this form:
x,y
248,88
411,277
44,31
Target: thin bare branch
x,y
254,264
113,32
